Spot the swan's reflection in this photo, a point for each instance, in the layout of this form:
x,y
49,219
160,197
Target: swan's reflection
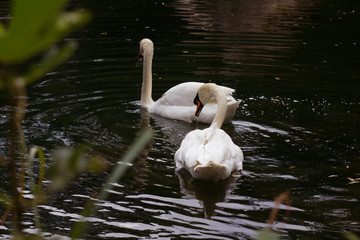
x,y
208,193
140,165
174,130
171,130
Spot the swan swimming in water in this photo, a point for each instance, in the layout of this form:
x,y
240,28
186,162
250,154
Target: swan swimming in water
x,y
209,154
176,103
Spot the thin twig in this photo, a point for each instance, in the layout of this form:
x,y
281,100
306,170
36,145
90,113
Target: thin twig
x,y
283,197
5,215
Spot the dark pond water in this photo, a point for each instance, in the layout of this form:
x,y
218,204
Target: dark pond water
x,y
295,65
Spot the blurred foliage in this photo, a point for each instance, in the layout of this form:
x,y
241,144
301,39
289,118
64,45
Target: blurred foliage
x,y
33,29
67,163
35,25
267,234
33,43
28,44
351,236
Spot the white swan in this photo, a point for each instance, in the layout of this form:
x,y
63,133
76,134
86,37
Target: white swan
x,y
209,154
177,102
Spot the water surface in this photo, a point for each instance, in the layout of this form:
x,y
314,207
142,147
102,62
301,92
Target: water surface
x,y
294,64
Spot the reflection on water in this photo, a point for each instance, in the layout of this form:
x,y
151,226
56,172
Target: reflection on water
x,y
208,193
293,63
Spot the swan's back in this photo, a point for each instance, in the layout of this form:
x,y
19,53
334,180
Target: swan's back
x,y
178,103
209,154
180,95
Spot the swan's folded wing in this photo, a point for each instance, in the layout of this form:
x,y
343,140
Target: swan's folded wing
x,y
183,113
222,150
180,95
217,147
187,155
183,94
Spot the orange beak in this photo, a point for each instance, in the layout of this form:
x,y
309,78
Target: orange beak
x,y
199,105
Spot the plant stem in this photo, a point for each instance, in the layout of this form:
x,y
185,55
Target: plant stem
x,y
17,98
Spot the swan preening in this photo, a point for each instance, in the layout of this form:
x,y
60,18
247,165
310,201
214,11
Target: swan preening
x,y
209,154
177,102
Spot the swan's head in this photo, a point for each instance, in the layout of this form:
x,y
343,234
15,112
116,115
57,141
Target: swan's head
x,y
204,94
146,48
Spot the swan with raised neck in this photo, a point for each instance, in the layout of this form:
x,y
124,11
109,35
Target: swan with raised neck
x,y
177,102
147,52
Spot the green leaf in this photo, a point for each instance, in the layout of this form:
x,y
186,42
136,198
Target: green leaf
x,y
1,29
49,23
32,153
2,159
5,200
267,234
351,236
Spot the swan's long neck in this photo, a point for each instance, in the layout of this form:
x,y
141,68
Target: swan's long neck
x,y
221,100
146,88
